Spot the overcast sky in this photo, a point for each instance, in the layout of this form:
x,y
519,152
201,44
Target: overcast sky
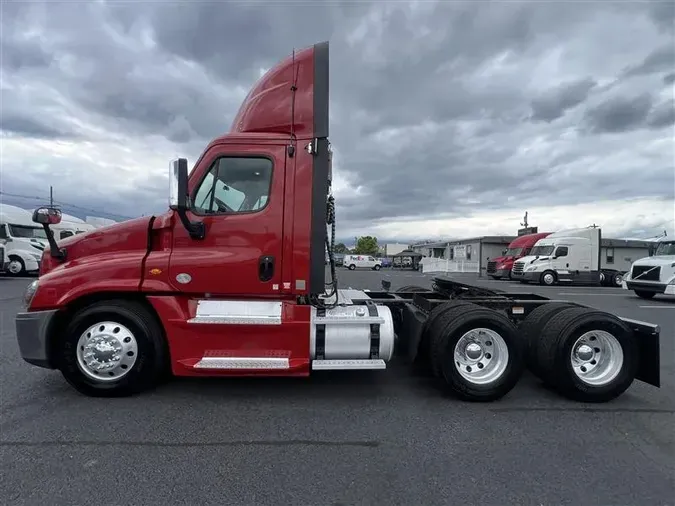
x,y
448,118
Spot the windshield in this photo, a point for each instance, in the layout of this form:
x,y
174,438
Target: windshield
x,y
513,252
25,232
665,248
541,251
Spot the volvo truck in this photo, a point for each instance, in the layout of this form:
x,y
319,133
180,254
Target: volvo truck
x,y
653,275
231,281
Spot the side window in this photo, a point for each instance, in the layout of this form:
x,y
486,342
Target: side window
x,y
561,251
610,255
371,259
66,233
3,231
234,185
526,251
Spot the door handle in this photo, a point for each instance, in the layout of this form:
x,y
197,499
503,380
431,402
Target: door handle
x,y
265,268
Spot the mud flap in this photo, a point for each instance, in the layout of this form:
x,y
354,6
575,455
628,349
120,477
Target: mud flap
x,y
647,336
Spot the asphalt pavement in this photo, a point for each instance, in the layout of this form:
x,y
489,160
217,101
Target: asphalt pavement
x,y
358,438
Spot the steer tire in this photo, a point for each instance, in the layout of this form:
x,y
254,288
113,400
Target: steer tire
x,y
445,333
151,363
556,344
531,330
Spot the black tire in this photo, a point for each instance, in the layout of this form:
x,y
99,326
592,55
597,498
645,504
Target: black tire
x,y
377,268
545,276
555,347
617,279
531,330
14,258
151,364
352,267
446,332
603,279
645,295
412,288
447,311
496,278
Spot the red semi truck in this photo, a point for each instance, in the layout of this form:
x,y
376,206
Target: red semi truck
x,y
500,267
231,281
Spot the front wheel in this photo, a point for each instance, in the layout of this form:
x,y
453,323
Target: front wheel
x,y
16,266
113,349
352,267
377,268
645,295
548,278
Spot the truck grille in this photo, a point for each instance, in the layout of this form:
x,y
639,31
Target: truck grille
x,y
646,273
518,268
491,266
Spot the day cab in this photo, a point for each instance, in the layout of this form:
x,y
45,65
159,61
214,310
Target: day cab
x,y
654,275
218,284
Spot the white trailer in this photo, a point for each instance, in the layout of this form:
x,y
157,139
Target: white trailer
x,y
24,241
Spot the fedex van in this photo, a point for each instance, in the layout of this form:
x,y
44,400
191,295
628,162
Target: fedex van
x,y
362,262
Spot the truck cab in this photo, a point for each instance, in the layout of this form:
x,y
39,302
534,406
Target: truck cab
x,y
4,261
500,267
24,241
569,257
653,275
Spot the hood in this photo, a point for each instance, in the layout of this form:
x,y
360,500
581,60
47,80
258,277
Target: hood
x,y
130,235
502,259
529,259
656,260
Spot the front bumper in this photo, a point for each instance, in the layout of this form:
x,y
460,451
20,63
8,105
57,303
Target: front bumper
x,y
32,333
526,276
500,273
651,287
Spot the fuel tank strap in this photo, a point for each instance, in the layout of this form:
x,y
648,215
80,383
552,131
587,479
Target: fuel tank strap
x,y
320,335
374,331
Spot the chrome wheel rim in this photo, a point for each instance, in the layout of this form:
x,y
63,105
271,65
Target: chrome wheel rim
x,y
481,356
548,279
597,358
106,351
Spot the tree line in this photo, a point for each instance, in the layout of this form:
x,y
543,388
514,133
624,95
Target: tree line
x,y
364,245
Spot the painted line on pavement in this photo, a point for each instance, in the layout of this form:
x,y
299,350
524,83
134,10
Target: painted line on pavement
x,y
656,307
594,294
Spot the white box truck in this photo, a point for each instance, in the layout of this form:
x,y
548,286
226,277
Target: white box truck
x,y
653,275
570,257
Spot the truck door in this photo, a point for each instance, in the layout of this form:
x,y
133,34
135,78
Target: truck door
x,y
238,195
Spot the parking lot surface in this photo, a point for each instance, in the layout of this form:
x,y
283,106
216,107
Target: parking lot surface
x,y
366,438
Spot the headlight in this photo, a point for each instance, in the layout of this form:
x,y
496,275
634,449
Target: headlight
x,y
30,293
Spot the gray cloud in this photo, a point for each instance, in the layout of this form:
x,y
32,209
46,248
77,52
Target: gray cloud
x,y
437,107
553,104
619,114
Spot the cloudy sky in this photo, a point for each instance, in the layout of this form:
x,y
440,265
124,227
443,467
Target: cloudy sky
x,y
448,118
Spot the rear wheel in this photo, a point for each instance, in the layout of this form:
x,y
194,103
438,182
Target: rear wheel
x,y
645,295
377,267
531,330
476,352
112,349
617,279
588,355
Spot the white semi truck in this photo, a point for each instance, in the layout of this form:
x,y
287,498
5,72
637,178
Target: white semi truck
x,y
655,274
571,257
24,241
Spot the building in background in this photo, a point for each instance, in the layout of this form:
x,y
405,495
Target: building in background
x,y
393,248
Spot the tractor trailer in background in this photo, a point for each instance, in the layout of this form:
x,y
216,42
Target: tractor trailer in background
x,y
500,267
653,275
568,257
24,241
230,281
